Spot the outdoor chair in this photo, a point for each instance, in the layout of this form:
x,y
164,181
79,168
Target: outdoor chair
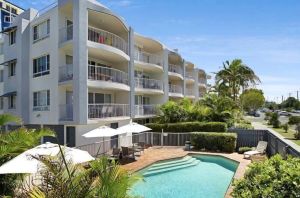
x,y
259,150
126,152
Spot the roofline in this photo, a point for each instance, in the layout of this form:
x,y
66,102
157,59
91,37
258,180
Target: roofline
x,y
14,5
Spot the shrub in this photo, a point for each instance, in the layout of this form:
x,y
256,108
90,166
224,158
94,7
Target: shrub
x,y
223,142
297,134
274,120
242,150
274,177
189,127
285,127
294,120
243,126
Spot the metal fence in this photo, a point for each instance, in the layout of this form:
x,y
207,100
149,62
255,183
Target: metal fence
x,y
249,138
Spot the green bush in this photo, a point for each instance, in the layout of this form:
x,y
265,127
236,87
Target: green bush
x,y
221,142
189,127
243,126
294,120
274,177
274,120
285,127
242,150
297,134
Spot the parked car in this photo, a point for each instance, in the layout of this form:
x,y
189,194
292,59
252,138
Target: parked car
x,y
284,113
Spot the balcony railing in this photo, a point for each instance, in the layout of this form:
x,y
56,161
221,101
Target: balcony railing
x,y
145,83
65,73
143,110
189,92
175,69
148,58
107,74
107,38
96,111
189,75
175,89
66,112
66,33
202,81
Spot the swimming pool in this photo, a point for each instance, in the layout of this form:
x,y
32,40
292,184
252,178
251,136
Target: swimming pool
x,y
193,176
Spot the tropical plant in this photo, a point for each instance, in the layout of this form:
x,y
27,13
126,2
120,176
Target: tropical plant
x,y
274,177
172,112
234,76
14,143
103,178
8,118
252,99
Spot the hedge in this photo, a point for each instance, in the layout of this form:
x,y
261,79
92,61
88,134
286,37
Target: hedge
x,y
220,142
294,120
189,127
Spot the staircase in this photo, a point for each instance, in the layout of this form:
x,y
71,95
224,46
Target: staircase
x,y
168,166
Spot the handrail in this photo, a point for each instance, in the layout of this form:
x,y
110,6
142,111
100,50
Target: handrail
x,y
175,89
107,74
148,83
65,73
104,37
148,57
142,110
175,69
106,110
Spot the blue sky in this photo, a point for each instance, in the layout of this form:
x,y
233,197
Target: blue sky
x,y
265,34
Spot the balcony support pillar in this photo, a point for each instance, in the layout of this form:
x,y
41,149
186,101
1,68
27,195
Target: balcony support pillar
x,y
165,75
80,54
131,72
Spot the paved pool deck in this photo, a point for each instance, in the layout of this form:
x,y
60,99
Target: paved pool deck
x,y
155,154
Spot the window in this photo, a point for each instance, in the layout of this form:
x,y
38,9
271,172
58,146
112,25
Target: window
x,y
99,98
12,37
41,31
12,68
1,75
7,19
13,10
41,100
8,7
12,101
41,66
1,103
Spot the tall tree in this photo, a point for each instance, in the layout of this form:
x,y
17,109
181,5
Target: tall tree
x,y
235,76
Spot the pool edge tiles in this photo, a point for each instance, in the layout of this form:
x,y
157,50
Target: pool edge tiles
x,y
186,182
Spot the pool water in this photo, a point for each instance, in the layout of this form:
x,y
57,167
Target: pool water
x,y
191,177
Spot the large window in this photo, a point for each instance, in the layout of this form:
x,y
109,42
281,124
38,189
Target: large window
x,y
12,68
99,98
41,66
41,30
1,75
12,37
12,101
41,100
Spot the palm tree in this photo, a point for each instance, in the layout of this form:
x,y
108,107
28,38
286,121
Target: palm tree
x,y
8,118
234,76
103,179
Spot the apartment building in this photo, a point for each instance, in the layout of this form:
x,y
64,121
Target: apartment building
x,y
78,66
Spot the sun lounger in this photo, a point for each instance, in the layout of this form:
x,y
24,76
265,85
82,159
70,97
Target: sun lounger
x,y
259,150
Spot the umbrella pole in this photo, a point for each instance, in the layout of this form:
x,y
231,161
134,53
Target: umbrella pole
x,y
98,150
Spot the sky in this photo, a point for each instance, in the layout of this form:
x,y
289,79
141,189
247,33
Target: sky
x,y
265,34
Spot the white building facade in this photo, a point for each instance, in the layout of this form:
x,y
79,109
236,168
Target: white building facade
x,y
79,66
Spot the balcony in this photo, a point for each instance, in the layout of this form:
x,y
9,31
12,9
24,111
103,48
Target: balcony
x,y
107,77
65,73
145,110
148,85
148,62
106,111
190,93
103,37
202,82
189,77
66,34
176,71
175,91
66,112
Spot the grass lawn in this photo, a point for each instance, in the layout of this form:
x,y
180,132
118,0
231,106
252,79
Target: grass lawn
x,y
289,135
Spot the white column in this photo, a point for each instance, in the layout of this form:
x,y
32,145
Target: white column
x,y
184,80
131,72
80,59
166,75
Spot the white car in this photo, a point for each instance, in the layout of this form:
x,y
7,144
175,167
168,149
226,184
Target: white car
x,y
284,113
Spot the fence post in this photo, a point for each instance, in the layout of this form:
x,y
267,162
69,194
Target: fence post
x,y
152,138
178,139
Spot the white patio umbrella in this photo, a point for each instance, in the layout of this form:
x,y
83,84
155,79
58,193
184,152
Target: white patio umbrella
x,y
133,127
26,163
102,131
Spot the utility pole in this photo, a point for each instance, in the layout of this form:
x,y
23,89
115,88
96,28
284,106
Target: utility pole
x,y
282,98
297,95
